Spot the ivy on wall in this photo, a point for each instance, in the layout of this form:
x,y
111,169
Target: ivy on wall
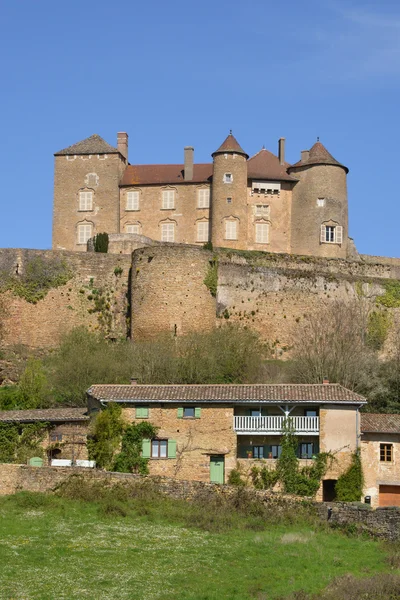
x,y
20,442
349,486
211,278
391,297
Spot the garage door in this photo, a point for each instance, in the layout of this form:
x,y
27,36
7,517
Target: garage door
x,y
389,495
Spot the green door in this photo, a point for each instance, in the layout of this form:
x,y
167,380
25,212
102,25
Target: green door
x,y
217,470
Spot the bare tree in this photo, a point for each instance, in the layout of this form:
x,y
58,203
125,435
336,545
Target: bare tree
x,y
333,343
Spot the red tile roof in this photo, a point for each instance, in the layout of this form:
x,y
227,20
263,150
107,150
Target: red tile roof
x,y
158,174
380,423
319,155
265,165
321,393
47,414
230,145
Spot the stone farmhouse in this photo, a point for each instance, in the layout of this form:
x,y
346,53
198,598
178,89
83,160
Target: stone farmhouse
x,y
236,201
205,431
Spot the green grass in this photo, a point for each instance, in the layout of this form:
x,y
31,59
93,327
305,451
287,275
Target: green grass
x,y
57,547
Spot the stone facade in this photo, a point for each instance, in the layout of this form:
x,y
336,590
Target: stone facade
x,y
381,477
256,203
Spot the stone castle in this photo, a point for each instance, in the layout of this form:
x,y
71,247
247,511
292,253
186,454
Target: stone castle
x,y
237,202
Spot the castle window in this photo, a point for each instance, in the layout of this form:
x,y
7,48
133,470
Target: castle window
x,y
168,232
85,200
84,232
168,199
261,210
331,234
320,202
91,179
262,233
202,231
203,198
134,228
132,201
229,200
386,452
230,230
228,178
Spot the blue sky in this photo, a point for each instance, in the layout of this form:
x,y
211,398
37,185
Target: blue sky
x,y
181,73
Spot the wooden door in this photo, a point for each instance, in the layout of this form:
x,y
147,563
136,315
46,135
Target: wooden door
x,y
217,469
389,495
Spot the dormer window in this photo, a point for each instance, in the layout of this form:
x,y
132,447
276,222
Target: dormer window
x,y
228,178
266,188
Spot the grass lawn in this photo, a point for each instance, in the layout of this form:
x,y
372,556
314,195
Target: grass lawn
x,y
58,548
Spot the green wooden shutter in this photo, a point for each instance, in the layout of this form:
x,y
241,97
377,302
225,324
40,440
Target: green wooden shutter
x,y
197,412
180,412
171,449
146,448
142,412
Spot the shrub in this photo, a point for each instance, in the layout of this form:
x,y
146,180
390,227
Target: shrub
x,y
129,460
235,478
349,486
106,437
101,242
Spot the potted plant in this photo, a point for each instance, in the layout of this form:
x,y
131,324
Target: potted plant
x,y
249,453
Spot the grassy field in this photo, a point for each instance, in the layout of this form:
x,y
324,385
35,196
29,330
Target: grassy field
x,y
150,549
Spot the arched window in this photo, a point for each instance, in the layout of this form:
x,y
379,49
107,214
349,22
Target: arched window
x,y
84,232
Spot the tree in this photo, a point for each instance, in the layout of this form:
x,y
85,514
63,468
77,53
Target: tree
x,y
107,430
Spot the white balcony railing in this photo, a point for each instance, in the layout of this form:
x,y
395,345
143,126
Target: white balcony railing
x,y
273,425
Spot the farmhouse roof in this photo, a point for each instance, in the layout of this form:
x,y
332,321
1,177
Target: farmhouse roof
x,y
265,165
380,423
227,394
156,174
319,155
230,144
51,415
91,145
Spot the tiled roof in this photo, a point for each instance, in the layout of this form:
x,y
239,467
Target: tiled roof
x,y
156,174
230,145
265,165
319,155
47,414
380,423
91,145
227,394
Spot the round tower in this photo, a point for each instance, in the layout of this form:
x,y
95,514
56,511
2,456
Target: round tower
x,y
319,205
229,195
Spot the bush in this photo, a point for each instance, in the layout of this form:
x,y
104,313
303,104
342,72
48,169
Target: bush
x,y
101,242
349,486
235,478
106,436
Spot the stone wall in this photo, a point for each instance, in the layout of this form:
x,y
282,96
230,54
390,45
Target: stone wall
x,y
73,304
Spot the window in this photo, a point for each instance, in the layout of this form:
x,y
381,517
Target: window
x,y
258,451
255,412
262,230
306,450
132,201
168,232
331,234
135,228
202,231
142,412
228,178
188,412
203,198
320,202
310,413
230,230
168,199
386,452
56,437
229,200
276,451
261,210
85,200
265,187
159,448
84,232
91,179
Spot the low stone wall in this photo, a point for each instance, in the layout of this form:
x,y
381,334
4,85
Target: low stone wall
x,y
383,523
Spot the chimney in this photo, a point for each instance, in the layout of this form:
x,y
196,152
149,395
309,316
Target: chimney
x,y
133,381
325,381
122,144
304,155
281,151
188,166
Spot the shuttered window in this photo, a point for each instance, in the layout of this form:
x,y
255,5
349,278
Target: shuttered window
x,y
262,231
230,230
142,412
189,412
203,198
132,201
168,199
168,232
202,231
132,228
84,232
331,234
85,200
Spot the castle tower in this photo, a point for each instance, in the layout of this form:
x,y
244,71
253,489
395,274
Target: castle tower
x,y
86,191
229,195
319,205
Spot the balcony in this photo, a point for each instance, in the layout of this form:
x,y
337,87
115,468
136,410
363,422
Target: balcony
x,y
273,425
